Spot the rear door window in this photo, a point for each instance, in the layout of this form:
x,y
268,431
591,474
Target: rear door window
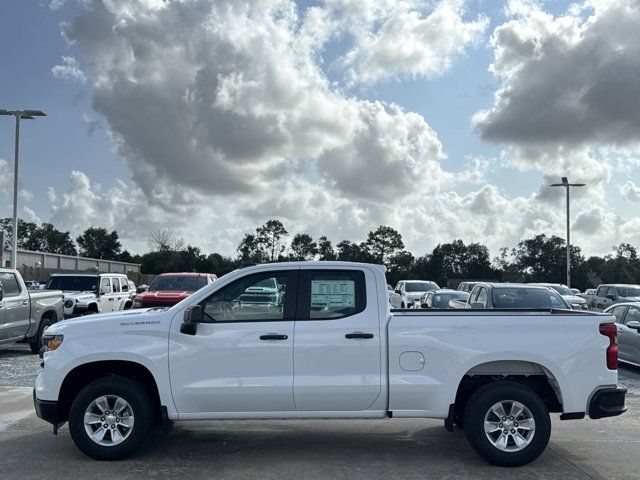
x,y
330,294
618,312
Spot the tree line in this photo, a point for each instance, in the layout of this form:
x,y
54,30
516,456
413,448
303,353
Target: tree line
x,y
537,259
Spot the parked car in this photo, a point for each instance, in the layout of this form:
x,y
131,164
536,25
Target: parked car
x,y
24,314
574,301
167,289
410,291
441,298
628,324
88,293
576,291
466,286
335,353
610,294
512,296
34,285
588,295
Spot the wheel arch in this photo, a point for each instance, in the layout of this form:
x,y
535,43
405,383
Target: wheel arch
x,y
84,374
531,374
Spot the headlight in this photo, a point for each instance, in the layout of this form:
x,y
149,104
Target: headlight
x,y
52,342
68,304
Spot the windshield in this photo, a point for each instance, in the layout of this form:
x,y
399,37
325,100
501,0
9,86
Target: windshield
x,y
269,283
522,297
178,283
420,286
629,291
562,290
73,284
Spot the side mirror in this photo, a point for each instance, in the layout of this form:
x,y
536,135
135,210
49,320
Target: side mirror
x,y
192,317
610,296
477,305
141,289
399,292
634,324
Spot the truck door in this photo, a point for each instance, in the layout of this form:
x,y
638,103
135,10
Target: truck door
x,y
105,300
337,341
241,357
15,308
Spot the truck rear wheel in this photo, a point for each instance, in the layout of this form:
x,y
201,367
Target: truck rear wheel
x,y
111,418
507,424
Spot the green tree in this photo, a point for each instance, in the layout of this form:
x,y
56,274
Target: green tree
x,y
325,249
53,240
270,236
543,259
251,250
26,233
383,243
353,252
98,242
303,247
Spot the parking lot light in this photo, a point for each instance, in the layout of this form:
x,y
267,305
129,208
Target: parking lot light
x,y
24,115
565,183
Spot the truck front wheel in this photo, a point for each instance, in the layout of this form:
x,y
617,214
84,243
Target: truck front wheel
x,y
507,424
111,418
36,343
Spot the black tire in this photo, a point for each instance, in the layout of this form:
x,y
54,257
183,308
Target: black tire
x,y
142,409
480,404
36,343
402,305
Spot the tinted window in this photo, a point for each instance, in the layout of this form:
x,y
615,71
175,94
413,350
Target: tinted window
x,y
116,284
10,285
73,284
177,283
629,291
482,296
421,286
611,291
252,298
562,290
124,284
601,291
331,294
520,297
632,315
441,300
105,285
618,312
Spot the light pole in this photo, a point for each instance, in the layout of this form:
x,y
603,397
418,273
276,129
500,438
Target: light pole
x,y
26,115
565,183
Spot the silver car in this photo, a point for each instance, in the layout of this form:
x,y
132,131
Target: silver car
x,y
628,323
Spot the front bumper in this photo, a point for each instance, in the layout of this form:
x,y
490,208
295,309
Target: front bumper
x,y
608,402
48,410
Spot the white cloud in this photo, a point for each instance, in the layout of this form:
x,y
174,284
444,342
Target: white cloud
x,y
570,79
69,69
56,4
630,191
226,118
404,39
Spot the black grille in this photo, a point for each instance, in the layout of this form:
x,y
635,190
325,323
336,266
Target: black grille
x,y
157,304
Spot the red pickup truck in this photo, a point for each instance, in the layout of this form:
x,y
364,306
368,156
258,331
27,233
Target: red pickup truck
x,y
167,289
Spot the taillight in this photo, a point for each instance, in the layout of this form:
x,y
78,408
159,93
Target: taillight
x,y
611,331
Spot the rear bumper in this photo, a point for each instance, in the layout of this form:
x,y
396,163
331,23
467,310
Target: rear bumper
x,y
47,410
608,402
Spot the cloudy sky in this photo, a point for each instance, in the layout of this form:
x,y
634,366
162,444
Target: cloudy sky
x,y
444,119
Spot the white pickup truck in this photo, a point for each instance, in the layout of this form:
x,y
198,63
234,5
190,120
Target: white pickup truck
x,y
329,347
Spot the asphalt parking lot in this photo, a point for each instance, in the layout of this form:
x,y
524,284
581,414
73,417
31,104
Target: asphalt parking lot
x,y
603,449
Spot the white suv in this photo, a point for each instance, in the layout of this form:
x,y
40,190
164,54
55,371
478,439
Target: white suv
x,y
410,291
86,293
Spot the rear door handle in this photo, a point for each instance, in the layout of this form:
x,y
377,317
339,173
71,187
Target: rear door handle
x,y
273,336
358,335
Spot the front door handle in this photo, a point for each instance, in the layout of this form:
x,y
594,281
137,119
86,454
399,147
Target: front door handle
x,y
273,336
358,335
25,302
